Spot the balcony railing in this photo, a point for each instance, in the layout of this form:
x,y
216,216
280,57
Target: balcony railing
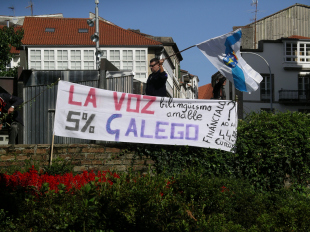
x,y
294,95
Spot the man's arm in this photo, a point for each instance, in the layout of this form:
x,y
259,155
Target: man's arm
x,y
161,68
15,102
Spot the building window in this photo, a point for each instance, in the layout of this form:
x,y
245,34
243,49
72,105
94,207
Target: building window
x,y
88,55
114,55
297,52
303,87
62,59
127,59
83,30
140,55
265,87
49,55
89,65
115,58
49,65
75,55
89,59
140,75
140,64
35,59
104,54
127,55
49,60
62,65
35,55
49,29
35,65
62,55
75,65
128,65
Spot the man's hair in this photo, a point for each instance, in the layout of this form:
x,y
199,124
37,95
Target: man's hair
x,y
156,60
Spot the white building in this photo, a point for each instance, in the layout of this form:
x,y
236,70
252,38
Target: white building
x,y
289,61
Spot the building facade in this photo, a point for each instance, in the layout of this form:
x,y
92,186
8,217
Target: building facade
x,y
281,39
287,86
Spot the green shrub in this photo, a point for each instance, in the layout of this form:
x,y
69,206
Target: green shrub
x,y
270,149
59,167
190,201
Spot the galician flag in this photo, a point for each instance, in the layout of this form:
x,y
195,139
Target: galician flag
x,y
224,53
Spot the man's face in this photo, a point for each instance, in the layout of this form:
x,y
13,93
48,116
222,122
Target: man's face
x,y
154,66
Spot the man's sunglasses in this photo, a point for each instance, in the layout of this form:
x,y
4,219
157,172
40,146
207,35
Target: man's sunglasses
x,y
151,66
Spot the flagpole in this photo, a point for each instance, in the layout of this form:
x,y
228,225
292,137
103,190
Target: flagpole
x,y
52,149
179,52
269,75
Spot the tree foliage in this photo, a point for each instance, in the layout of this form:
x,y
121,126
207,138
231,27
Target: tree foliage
x,y
9,37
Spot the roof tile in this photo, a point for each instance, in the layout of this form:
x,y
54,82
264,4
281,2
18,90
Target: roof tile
x,y
67,33
205,91
298,37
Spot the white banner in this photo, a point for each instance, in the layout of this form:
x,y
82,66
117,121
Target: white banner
x,y
96,114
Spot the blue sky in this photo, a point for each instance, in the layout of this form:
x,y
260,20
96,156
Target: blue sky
x,y
188,22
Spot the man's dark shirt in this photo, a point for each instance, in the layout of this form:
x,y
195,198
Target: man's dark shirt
x,y
156,84
8,101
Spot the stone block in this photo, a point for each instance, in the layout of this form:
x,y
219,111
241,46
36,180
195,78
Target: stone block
x,y
28,151
22,157
74,150
103,156
113,162
120,168
7,157
112,150
129,156
86,162
93,150
98,162
90,156
42,151
79,168
151,162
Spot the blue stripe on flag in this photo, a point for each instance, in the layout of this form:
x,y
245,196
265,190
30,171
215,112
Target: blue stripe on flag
x,y
239,80
231,40
238,75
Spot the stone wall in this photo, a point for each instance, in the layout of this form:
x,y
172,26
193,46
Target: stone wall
x,y
82,156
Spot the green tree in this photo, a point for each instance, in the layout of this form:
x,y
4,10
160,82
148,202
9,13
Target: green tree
x,y
9,37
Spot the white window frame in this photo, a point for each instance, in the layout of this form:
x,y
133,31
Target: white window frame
x,y
297,52
65,58
34,60
89,65
75,64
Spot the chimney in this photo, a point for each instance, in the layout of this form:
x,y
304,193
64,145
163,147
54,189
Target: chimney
x,y
8,23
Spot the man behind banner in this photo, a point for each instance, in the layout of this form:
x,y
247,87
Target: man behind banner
x,y
156,82
9,115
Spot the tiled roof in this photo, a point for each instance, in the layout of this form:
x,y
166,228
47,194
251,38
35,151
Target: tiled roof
x,y
13,49
298,37
205,91
67,33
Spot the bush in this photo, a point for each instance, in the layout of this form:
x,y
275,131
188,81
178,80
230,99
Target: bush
x,y
190,201
273,147
270,149
59,167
